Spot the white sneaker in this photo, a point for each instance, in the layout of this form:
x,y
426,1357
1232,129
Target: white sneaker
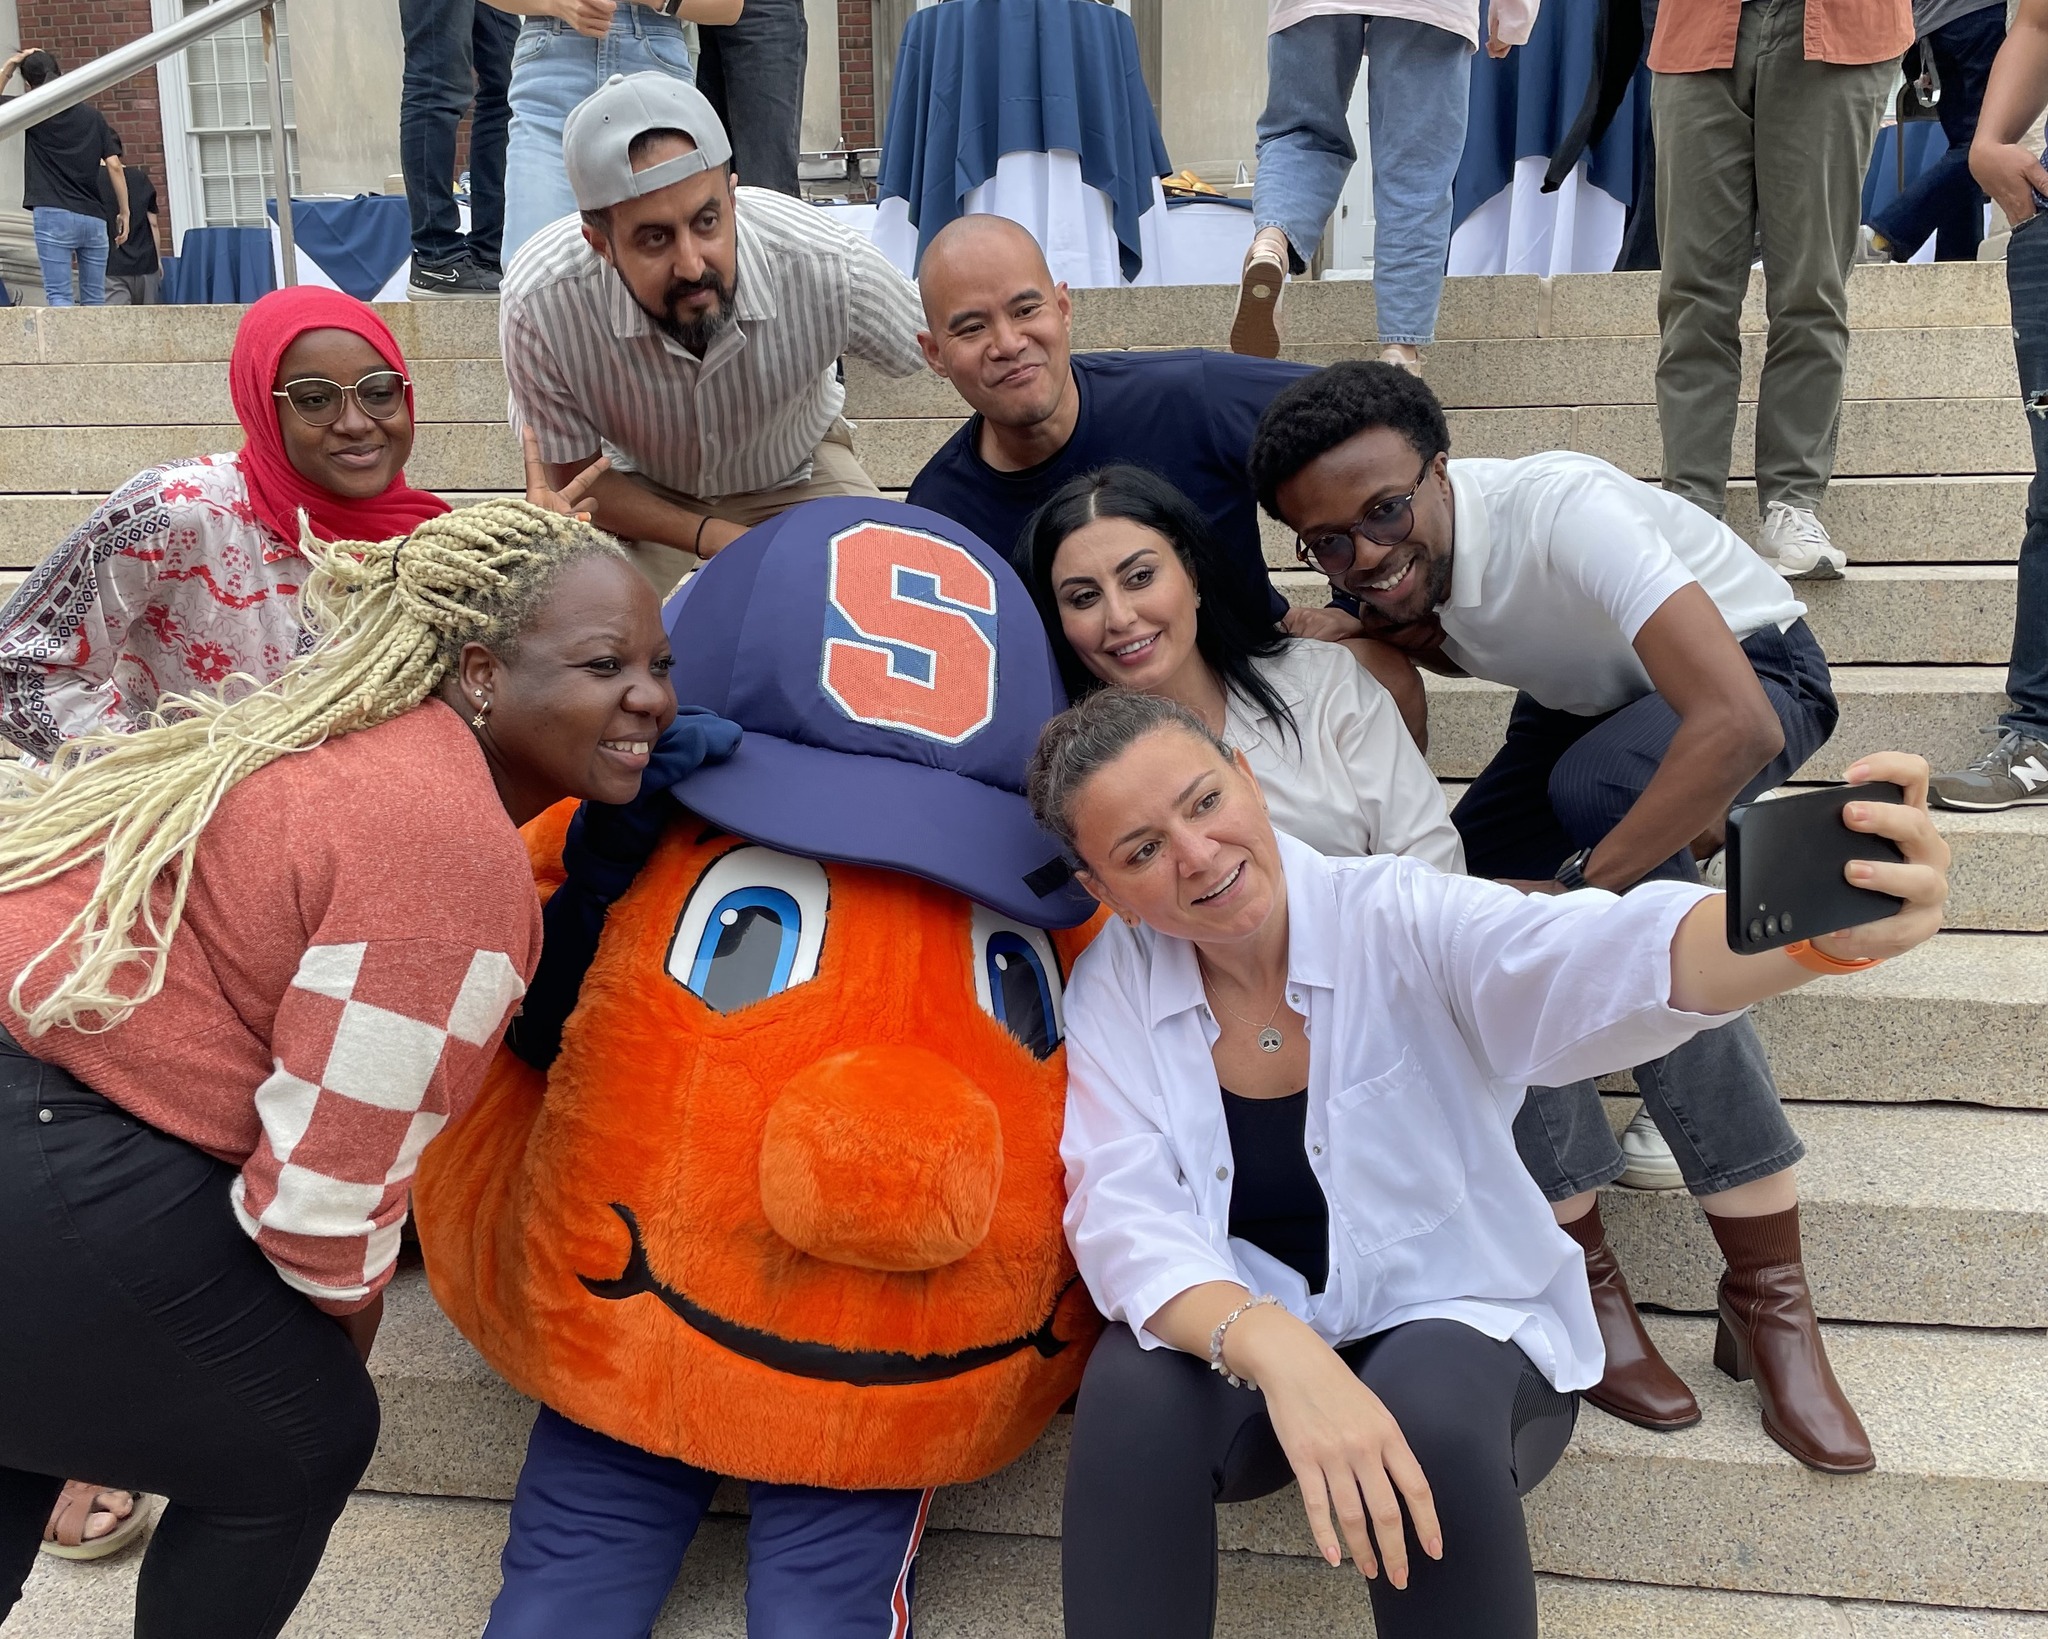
x,y
1651,1164
1799,542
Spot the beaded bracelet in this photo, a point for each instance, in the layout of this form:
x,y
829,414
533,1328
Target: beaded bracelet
x,y
1224,1325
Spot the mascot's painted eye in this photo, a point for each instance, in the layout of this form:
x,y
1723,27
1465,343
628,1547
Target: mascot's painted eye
x,y
751,928
1017,980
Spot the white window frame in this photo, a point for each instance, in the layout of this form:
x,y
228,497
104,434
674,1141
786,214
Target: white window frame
x,y
182,187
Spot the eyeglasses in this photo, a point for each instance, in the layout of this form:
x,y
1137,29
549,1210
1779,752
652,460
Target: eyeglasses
x,y
318,402
1384,523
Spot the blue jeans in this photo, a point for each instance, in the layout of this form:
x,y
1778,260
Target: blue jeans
x,y
553,69
753,72
599,1529
1417,80
61,235
1563,782
1945,199
456,52
2026,282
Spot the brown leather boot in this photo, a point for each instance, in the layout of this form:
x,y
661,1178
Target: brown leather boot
x,y
1768,1332
1638,1387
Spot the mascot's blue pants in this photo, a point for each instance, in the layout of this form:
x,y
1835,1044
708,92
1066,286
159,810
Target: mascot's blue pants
x,y
599,1529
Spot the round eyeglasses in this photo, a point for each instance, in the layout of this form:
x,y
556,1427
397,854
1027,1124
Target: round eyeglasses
x,y
1387,522
318,401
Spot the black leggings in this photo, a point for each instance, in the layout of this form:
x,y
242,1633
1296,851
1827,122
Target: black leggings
x,y
145,1343
1160,1439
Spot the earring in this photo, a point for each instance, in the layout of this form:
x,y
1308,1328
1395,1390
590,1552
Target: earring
x,y
483,713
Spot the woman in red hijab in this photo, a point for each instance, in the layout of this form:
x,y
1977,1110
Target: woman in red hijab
x,y
189,573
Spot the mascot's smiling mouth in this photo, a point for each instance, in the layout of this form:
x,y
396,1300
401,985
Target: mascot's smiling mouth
x,y
864,1368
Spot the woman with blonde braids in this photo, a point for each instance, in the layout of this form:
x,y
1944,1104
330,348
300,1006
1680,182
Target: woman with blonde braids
x,y
251,959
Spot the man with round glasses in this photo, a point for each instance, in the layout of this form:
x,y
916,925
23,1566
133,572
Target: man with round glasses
x,y
1663,671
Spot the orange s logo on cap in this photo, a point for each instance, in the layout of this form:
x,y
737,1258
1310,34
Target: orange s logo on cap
x,y
910,633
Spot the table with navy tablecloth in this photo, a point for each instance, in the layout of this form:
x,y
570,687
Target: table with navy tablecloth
x,y
361,245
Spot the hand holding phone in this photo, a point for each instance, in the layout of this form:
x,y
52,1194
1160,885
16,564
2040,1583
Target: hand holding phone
x,y
1865,870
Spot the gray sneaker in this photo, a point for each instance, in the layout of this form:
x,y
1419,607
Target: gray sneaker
x,y
2012,772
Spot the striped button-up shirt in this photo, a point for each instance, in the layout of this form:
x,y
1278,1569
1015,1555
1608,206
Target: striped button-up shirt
x,y
591,370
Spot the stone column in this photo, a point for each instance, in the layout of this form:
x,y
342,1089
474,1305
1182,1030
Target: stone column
x,y
821,128
347,60
17,242
1212,70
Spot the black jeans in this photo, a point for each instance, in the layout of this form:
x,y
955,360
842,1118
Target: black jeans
x,y
1160,1439
1561,783
1944,199
456,51
150,1345
2026,281
753,72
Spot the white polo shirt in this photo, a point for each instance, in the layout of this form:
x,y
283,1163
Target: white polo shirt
x,y
1558,560
1432,1001
1346,779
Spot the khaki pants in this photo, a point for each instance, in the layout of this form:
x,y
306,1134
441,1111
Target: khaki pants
x,y
835,470
1775,146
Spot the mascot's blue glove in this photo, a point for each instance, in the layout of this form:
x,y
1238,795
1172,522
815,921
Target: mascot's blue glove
x,y
603,852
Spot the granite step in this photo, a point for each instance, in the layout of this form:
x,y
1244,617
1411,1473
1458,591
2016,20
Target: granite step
x,y
1937,711
145,393
421,1568
1957,1512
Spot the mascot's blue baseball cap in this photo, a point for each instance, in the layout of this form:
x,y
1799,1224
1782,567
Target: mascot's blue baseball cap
x,y
892,678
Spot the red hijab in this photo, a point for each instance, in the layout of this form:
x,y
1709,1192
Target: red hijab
x,y
278,490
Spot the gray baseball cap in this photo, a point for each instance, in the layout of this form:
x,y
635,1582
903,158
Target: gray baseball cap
x,y
601,128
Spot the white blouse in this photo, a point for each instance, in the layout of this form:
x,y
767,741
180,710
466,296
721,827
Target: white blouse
x,y
1432,1001
1346,779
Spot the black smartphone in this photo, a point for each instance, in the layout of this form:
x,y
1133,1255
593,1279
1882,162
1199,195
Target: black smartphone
x,y
1785,861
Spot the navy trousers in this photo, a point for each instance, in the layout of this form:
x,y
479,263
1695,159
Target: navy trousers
x,y
599,1529
2026,278
1560,784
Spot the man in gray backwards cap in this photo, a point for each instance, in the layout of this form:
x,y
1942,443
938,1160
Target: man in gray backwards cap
x,y
689,328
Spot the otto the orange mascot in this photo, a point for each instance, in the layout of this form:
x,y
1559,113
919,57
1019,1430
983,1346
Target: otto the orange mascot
x,y
786,1206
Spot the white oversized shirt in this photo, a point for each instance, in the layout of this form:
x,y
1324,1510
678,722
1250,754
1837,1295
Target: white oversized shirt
x,y
1346,779
1557,561
1432,1001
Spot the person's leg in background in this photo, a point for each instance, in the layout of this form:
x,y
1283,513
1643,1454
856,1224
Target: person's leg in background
x,y
553,69
1962,51
2014,769
753,73
440,80
1418,88
491,42
597,1535
117,1243
55,239
1304,154
92,250
832,1564
1706,234
1816,124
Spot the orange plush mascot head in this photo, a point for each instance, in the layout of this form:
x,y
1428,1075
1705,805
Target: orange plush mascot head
x,y
788,1204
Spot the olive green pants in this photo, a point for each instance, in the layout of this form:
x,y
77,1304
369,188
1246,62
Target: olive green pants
x,y
1772,149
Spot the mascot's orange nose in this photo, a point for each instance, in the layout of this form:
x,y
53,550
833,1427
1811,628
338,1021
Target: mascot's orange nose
x,y
882,1158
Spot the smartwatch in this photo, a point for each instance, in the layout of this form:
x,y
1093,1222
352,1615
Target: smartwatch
x,y
1572,873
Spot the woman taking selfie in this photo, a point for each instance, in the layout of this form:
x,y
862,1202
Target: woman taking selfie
x,y
1292,1081
251,960
1118,560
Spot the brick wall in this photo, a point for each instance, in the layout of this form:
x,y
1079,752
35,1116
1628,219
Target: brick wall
x,y
80,30
857,75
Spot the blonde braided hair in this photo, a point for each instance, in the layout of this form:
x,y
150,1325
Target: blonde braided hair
x,y
391,619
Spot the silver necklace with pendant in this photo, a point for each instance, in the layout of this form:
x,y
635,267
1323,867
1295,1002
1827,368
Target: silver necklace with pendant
x,y
1270,1039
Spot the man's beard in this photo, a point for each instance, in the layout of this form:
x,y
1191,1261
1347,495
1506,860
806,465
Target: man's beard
x,y
696,334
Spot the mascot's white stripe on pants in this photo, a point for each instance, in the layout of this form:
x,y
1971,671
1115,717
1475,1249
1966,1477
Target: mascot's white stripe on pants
x,y
899,1600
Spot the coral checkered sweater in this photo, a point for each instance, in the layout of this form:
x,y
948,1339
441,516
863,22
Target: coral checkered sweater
x,y
361,920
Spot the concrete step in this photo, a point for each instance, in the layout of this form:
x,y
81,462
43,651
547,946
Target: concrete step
x,y
1879,438
1973,361
1937,711
1916,1213
145,394
1957,1512
1882,614
419,1568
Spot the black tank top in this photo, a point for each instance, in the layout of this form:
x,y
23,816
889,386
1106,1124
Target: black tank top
x,y
1275,1201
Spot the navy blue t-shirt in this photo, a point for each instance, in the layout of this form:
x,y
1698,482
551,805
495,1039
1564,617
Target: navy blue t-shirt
x,y
1188,415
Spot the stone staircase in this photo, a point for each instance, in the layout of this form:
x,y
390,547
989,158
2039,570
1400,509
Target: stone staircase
x,y
1920,1088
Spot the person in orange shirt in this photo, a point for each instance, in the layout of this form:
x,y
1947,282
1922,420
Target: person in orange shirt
x,y
1765,113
